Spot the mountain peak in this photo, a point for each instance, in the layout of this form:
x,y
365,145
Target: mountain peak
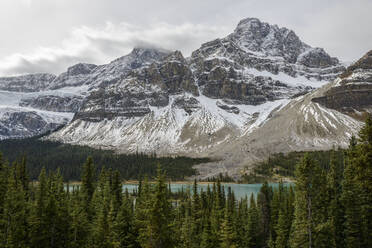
x,y
148,51
249,23
252,29
81,68
254,35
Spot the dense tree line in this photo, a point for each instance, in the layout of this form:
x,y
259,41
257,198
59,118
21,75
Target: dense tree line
x,y
222,178
282,165
328,207
69,158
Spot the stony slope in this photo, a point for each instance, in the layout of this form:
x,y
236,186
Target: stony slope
x,y
301,125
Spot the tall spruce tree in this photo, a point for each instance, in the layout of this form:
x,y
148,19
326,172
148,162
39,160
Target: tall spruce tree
x,y
124,231
264,203
254,227
196,213
88,184
15,213
228,233
311,227
158,232
335,209
283,225
357,190
207,241
4,177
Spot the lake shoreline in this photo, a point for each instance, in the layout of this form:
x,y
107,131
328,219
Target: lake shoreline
x,y
131,182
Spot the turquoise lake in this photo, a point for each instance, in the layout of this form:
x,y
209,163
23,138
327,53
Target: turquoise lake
x,y
240,190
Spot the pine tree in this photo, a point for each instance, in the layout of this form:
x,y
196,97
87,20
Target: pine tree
x,y
253,228
80,225
357,190
88,184
264,203
186,235
196,222
228,233
15,213
116,191
335,209
283,225
38,223
22,174
142,211
207,241
101,222
159,230
241,222
124,232
311,227
4,175
217,212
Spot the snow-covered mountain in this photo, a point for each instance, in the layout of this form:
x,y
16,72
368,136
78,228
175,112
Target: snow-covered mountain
x,y
320,120
36,103
227,88
237,98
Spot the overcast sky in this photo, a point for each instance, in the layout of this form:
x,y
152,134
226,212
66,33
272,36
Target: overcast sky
x,y
50,35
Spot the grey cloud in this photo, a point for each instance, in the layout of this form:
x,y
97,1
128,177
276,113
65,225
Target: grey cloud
x,y
339,26
101,45
25,66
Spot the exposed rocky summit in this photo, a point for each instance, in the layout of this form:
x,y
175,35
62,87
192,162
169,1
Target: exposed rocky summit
x,y
253,35
257,62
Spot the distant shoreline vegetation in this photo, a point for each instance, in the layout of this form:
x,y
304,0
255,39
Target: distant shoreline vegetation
x,y
69,158
281,167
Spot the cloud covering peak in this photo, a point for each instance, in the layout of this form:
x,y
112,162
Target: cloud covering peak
x,y
100,45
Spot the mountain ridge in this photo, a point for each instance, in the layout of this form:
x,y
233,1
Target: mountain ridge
x,y
228,91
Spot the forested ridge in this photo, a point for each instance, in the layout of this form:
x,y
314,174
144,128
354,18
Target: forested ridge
x,y
280,165
68,159
328,207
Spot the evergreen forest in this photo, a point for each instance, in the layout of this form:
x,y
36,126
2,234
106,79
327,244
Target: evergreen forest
x,y
328,206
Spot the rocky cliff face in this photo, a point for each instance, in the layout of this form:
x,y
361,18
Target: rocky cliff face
x,y
70,104
260,62
26,83
143,88
352,91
